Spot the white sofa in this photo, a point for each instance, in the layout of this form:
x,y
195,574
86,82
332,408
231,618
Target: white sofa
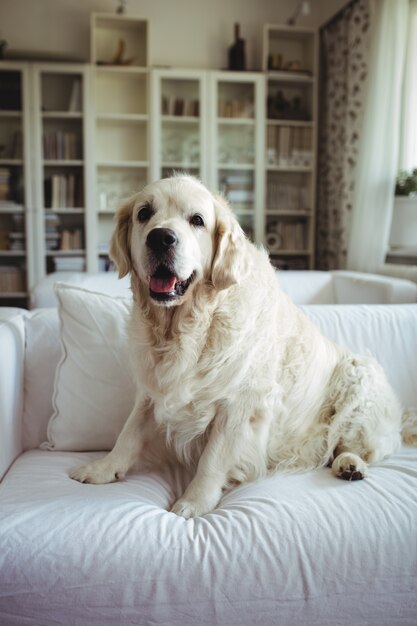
x,y
290,549
304,287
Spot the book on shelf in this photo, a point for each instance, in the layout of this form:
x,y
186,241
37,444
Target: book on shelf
x,y
71,239
75,102
4,183
61,145
283,196
235,108
63,191
12,279
172,105
289,146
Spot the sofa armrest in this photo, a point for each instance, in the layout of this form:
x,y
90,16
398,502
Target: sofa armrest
x,y
12,342
363,288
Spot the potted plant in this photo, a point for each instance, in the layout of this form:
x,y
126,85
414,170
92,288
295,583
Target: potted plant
x,y
406,183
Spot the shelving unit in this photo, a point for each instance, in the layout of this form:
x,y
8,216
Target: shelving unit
x,y
237,134
16,244
121,124
63,174
179,122
290,62
94,134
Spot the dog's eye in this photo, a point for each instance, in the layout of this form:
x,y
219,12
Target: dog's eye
x,y
145,213
197,220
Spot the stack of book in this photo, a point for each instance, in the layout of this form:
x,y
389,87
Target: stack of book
x,y
238,189
52,231
69,264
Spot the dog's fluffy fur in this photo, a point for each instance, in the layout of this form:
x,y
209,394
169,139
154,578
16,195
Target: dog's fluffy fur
x,y
233,379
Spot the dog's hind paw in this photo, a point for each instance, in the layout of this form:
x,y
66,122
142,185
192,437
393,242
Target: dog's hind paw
x,y
349,466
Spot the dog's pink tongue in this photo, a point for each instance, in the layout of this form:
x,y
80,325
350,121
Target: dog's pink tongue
x,y
162,285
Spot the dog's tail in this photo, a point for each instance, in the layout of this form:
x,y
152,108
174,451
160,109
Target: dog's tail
x,y
409,426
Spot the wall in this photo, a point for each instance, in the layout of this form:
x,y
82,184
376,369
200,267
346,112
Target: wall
x,y
184,33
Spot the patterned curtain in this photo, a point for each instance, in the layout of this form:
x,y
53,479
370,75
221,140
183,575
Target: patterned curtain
x,y
344,46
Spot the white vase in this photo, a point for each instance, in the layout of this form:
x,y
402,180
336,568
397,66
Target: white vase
x,y
404,223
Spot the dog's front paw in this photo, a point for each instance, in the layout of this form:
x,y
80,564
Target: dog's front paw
x,y
188,509
196,504
99,473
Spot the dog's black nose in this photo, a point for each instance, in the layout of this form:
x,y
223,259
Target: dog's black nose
x,y
161,239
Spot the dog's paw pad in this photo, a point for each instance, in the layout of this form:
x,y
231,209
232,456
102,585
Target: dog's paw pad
x,y
349,466
351,474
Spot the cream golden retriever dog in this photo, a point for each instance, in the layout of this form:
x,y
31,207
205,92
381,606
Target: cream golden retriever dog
x,y
233,379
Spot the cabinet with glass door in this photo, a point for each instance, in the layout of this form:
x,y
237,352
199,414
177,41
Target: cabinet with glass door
x,y
237,134
179,122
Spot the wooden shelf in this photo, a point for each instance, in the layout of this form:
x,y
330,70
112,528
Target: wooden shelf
x,y
62,115
57,253
122,117
10,162
12,253
11,208
180,119
11,114
236,121
122,164
63,163
236,166
295,123
6,295
289,168
290,77
283,213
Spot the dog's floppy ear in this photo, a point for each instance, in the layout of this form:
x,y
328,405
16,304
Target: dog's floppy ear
x,y
120,241
229,263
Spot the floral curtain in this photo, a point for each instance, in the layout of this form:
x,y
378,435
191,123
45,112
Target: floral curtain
x,y
344,49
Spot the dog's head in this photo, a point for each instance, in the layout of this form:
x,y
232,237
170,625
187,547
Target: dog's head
x,y
175,234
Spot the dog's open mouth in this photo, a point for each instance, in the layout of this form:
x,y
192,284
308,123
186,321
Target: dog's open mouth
x,y
165,286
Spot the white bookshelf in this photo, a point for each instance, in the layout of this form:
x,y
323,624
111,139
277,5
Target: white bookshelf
x,y
251,135
17,267
291,68
120,58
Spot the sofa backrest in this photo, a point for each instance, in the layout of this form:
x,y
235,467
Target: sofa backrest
x,y
389,332
303,287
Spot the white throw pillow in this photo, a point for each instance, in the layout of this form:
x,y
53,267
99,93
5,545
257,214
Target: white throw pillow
x,y
94,391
